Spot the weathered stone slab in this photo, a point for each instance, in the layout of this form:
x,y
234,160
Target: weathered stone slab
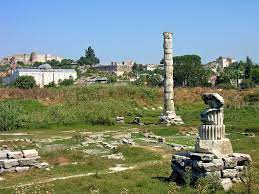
x,y
8,163
27,161
202,156
15,155
242,159
215,165
42,165
12,169
226,183
30,153
221,148
240,168
181,160
230,162
229,173
22,169
3,154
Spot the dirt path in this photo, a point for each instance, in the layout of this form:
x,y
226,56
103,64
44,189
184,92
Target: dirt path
x,y
110,171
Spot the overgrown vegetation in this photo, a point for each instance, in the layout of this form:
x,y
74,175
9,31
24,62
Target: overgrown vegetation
x,y
243,74
25,82
100,104
9,117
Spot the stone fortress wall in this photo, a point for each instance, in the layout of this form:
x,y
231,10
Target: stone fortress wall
x,y
31,58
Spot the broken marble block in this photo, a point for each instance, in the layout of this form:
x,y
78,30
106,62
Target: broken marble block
x,y
14,155
119,119
3,154
27,161
30,153
21,169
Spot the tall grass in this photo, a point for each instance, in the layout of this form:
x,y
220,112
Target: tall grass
x,y
99,104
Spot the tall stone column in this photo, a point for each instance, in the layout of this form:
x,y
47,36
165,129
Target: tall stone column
x,y
168,77
169,115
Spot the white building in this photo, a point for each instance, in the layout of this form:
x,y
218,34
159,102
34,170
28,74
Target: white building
x,y
44,75
220,63
225,62
152,67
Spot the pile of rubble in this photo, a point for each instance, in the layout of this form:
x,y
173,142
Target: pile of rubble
x,y
154,137
19,161
228,169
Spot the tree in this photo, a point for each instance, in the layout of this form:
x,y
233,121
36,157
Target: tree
x,y
188,71
25,82
137,68
89,58
248,66
154,80
255,75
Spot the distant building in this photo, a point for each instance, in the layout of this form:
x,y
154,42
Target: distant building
x,y
116,68
225,62
220,63
31,58
152,67
97,80
43,75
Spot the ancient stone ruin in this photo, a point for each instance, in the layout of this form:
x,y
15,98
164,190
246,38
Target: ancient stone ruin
x,y
212,131
19,161
213,151
169,116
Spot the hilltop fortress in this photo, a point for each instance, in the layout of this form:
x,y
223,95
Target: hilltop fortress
x,y
30,58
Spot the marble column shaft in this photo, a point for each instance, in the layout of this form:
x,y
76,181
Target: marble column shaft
x,y
169,109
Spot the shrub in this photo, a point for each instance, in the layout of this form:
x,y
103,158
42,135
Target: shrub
x,y
25,82
248,178
51,85
247,83
208,185
252,98
66,82
226,86
9,117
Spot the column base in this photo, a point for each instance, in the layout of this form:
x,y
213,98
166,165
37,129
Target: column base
x,y
170,120
221,148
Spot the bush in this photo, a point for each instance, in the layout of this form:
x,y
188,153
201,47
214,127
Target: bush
x,y
226,86
25,82
66,82
51,85
247,83
252,98
208,185
9,117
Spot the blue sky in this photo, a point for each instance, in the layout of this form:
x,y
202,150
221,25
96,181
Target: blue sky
x,y
130,29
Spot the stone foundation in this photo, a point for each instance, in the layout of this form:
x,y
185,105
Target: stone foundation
x,y
19,161
228,169
176,120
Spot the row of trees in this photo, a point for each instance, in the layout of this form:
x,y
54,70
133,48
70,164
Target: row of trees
x,y
188,71
244,74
